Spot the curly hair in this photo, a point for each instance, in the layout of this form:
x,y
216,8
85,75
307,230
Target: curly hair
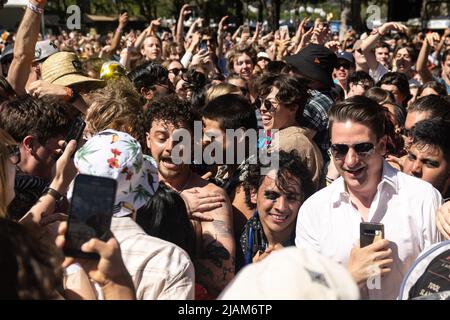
x,y
172,110
117,106
42,118
31,267
289,166
293,90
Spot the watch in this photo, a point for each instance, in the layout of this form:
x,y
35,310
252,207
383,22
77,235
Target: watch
x,y
55,194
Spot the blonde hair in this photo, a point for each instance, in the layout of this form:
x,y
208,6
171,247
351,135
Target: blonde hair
x,y
220,90
117,106
5,142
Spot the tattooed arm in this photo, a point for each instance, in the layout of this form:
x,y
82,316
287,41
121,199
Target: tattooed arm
x,y
215,264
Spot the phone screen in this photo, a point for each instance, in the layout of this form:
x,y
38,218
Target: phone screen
x,y
90,213
203,46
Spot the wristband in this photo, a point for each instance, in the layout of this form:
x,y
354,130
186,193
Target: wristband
x,y
54,194
35,8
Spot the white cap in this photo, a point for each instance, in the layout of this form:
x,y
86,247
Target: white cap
x,y
292,274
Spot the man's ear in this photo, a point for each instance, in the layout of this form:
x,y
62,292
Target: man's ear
x,y
29,144
381,145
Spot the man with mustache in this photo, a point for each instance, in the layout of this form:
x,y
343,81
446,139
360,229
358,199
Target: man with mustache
x,y
214,261
369,190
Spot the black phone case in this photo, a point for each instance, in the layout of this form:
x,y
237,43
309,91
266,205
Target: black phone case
x,y
76,130
81,180
368,231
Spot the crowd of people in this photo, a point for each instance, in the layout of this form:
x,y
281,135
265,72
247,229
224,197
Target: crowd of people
x,y
355,129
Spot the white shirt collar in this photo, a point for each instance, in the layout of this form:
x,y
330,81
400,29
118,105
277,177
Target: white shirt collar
x,y
388,177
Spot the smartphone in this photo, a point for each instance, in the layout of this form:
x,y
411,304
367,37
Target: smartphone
x,y
76,130
370,232
123,11
203,46
90,213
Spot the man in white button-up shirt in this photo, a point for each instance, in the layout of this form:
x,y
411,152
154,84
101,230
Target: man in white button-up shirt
x,y
369,190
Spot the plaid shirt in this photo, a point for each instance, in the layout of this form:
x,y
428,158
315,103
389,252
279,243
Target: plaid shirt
x,y
160,270
316,118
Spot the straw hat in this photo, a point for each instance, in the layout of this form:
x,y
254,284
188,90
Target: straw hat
x,y
64,68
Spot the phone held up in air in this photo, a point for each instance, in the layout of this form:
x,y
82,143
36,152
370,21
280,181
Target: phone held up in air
x,y
76,130
369,232
90,213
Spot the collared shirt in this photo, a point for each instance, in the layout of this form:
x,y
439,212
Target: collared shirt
x,y
329,223
315,117
160,270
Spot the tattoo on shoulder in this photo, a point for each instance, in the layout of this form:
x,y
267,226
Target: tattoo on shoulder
x,y
221,228
216,253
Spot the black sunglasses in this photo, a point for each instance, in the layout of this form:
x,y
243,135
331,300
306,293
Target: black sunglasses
x,y
268,105
339,151
346,65
14,154
176,71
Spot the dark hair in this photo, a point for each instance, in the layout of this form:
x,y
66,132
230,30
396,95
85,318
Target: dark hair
x,y
148,75
359,76
198,83
362,110
165,216
293,90
289,166
231,111
42,118
6,87
434,132
171,109
399,80
436,106
380,95
399,112
276,66
436,86
31,267
382,44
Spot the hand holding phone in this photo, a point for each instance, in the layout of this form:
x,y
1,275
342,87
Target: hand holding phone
x,y
90,214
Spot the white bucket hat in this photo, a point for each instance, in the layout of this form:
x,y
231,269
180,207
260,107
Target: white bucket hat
x,y
117,155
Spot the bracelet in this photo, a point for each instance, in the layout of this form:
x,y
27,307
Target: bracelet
x,y
35,8
54,194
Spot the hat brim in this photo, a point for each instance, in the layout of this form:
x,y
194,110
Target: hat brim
x,y
150,184
311,71
71,79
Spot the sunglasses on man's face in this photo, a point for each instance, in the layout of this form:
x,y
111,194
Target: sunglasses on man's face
x,y
176,71
339,151
346,65
268,105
